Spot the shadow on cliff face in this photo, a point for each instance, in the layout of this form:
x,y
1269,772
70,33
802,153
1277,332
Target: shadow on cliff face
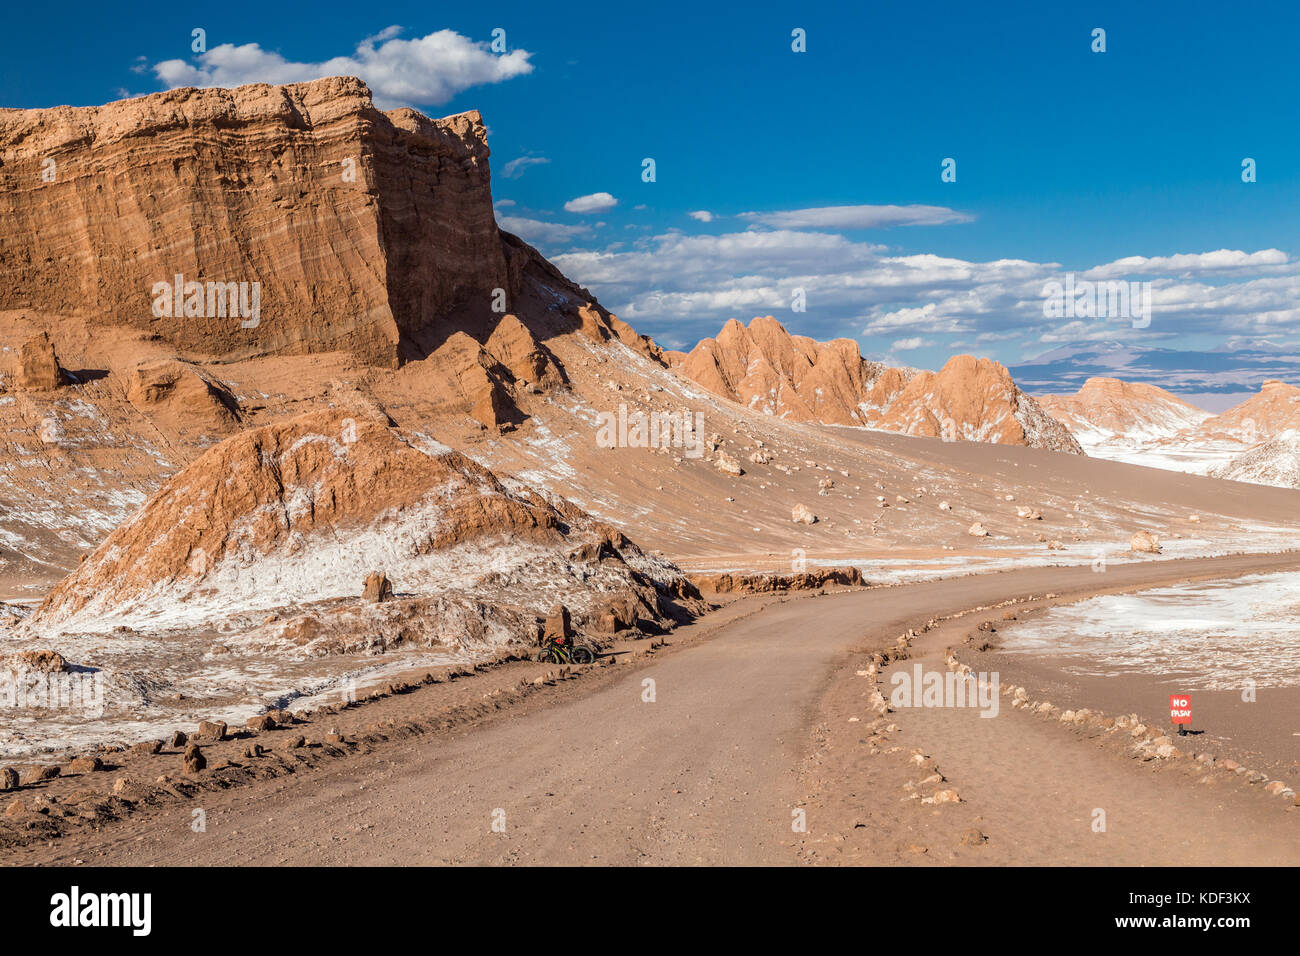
x,y
449,267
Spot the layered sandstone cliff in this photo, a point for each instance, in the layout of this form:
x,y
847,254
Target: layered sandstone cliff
x,y
359,227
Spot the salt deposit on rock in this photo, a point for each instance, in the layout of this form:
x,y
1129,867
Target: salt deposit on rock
x,y
296,513
1275,462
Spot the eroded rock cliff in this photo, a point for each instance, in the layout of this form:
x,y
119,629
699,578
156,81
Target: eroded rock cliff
x,y
341,227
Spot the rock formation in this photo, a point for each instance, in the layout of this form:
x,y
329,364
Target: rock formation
x,y
768,370
287,220
293,514
378,588
1105,409
182,397
972,399
294,187
794,377
1144,542
1145,425
1275,462
38,365
1266,415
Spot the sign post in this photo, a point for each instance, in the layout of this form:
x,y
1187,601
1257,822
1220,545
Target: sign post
x,y
1180,711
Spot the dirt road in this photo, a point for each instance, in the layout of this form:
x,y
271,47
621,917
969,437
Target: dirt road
x,y
702,756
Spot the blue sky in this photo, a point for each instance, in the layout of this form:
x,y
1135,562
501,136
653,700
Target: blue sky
x,y
1067,160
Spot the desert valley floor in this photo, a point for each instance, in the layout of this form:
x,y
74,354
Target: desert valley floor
x,y
306,563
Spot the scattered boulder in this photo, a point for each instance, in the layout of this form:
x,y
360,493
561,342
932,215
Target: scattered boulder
x,y
494,409
260,722
295,742
1144,542
378,588
802,514
147,748
977,530
15,809
973,837
618,615
212,729
559,624
47,772
85,765
728,465
8,779
179,739
194,759
38,365
47,662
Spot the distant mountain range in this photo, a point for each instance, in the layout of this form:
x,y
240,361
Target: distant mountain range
x,y
1215,379
768,370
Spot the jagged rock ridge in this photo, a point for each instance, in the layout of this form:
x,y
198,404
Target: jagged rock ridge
x,y
767,369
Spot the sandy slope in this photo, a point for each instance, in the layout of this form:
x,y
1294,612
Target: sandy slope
x,y
748,726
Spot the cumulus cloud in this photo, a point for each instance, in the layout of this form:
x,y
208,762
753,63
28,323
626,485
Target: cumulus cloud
x,y
427,70
1191,264
911,345
683,287
538,231
701,215
515,168
596,202
858,217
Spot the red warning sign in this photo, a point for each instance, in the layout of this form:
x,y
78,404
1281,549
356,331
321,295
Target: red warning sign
x,y
1180,708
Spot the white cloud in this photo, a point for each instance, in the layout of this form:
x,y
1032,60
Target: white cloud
x,y
503,203
701,215
596,202
693,283
1190,264
535,230
858,217
426,70
515,168
909,345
